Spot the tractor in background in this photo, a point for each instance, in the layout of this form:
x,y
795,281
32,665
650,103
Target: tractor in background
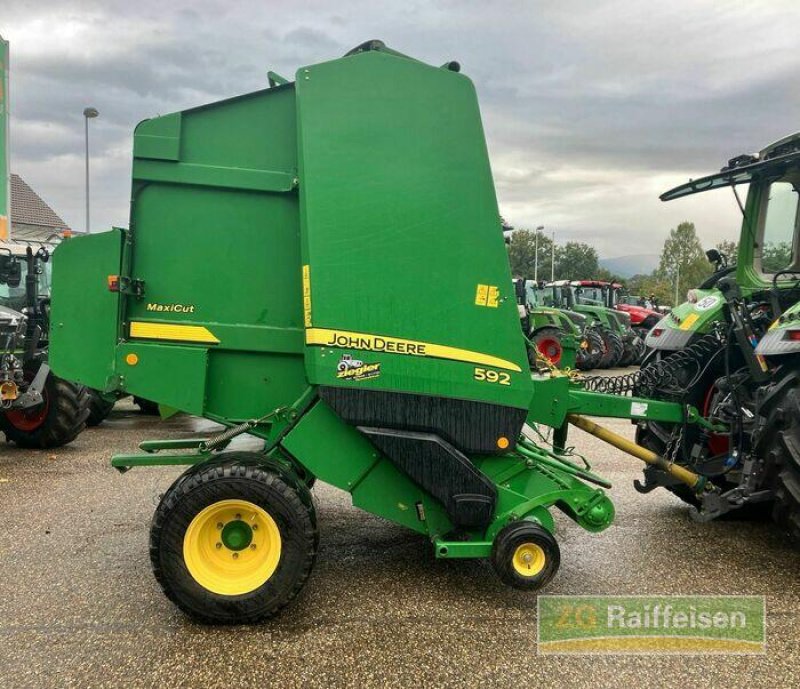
x,y
733,351
37,408
643,317
563,337
618,341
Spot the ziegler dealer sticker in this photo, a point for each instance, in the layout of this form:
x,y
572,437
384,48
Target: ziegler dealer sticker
x,y
349,368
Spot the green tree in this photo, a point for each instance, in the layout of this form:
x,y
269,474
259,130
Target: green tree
x,y
683,262
729,248
522,254
575,261
776,257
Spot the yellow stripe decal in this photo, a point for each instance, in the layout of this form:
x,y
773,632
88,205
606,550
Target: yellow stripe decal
x,y
395,345
172,331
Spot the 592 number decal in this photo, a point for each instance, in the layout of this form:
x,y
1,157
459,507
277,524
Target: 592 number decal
x,y
488,375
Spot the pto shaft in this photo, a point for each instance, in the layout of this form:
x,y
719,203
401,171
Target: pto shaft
x,y
682,474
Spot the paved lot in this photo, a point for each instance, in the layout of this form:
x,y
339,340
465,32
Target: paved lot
x,y
80,608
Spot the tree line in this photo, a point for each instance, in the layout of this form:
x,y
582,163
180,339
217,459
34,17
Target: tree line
x,y
682,265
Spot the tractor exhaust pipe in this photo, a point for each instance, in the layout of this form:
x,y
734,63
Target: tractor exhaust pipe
x,y
696,482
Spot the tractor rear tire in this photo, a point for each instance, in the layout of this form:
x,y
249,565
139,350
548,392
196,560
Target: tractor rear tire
x,y
525,555
613,347
548,343
233,542
99,407
629,353
55,422
781,446
596,348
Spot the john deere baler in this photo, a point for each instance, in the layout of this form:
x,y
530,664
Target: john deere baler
x,y
321,264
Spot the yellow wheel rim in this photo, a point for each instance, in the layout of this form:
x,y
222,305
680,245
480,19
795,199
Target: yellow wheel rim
x,y
232,547
529,559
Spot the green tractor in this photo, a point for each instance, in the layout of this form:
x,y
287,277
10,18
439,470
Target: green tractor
x,y
562,337
342,339
37,408
619,343
732,350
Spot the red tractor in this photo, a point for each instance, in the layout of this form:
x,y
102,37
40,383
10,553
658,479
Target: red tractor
x,y
642,311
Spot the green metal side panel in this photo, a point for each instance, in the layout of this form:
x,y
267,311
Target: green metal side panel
x,y
84,314
401,233
216,245
338,454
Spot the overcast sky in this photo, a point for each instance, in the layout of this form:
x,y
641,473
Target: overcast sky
x,y
591,108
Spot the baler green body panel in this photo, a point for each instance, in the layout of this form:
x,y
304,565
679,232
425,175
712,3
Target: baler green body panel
x,y
412,204
216,220
84,326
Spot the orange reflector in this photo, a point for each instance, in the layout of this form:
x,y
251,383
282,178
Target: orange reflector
x,y
502,442
131,359
113,283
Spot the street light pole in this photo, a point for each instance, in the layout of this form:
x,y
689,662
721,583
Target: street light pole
x,y
536,254
88,114
553,259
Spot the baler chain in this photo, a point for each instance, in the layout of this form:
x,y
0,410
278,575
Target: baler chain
x,y
661,379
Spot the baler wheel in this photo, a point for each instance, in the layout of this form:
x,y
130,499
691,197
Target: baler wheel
x,y
233,543
525,555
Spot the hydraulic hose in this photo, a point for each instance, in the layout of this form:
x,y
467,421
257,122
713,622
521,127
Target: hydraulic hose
x,y
696,482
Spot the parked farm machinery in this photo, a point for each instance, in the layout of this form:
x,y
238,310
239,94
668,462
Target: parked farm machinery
x,y
367,331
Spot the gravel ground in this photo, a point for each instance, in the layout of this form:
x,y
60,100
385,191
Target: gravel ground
x,y
80,608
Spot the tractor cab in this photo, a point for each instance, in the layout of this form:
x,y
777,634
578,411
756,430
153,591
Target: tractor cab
x,y
766,271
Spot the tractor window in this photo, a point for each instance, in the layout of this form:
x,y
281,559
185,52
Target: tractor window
x,y
530,294
14,297
591,296
780,226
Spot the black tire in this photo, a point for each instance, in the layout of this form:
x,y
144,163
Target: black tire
x,y
596,348
518,535
288,504
628,352
613,348
641,351
99,407
146,406
547,342
57,422
780,445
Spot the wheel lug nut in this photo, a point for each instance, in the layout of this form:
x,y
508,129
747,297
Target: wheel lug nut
x,y
238,516
236,556
219,525
252,546
219,545
255,527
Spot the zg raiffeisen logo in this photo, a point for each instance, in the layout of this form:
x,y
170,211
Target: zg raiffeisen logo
x,y
683,625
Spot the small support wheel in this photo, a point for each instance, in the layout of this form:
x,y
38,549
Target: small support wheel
x,y
233,543
525,555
